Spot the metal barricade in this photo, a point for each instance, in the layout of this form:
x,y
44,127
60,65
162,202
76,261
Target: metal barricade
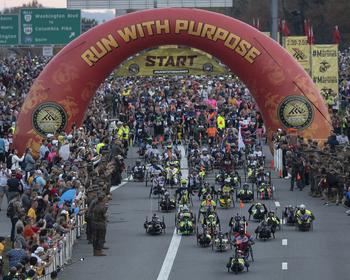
x,y
63,249
278,161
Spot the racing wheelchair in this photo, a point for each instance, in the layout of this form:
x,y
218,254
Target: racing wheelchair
x,y
185,221
237,263
221,242
155,226
166,203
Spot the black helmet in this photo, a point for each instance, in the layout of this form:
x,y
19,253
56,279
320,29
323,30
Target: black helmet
x,y
241,231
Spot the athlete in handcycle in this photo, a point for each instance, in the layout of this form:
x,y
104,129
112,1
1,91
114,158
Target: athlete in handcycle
x,y
238,262
184,193
211,221
138,171
166,203
264,231
155,226
221,241
158,185
226,195
185,221
265,191
207,205
206,190
204,238
245,194
238,222
173,174
243,241
258,211
289,215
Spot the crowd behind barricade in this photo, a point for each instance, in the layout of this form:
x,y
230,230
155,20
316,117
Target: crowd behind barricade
x,y
323,168
47,194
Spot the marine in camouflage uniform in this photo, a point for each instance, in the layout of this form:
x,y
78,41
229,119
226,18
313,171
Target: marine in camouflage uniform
x,y
99,225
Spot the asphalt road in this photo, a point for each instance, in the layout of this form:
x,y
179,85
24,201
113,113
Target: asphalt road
x,y
319,254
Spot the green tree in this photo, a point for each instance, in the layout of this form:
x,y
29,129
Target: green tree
x,y
87,24
15,10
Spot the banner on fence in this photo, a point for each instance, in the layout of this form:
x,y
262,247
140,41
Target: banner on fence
x,y
299,48
325,68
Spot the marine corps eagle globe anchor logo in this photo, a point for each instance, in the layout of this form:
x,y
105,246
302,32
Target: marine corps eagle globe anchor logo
x,y
49,118
296,112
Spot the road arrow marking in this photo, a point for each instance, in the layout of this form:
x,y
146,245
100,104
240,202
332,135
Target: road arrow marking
x,y
284,242
284,266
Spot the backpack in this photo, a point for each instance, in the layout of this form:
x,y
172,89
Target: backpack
x,y
11,212
9,162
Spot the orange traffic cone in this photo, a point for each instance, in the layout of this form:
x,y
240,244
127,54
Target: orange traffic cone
x,y
241,204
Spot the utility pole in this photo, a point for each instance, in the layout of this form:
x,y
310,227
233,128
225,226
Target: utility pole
x,y
274,19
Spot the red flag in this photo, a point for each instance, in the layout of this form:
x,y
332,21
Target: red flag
x,y
307,27
280,26
285,29
336,35
311,38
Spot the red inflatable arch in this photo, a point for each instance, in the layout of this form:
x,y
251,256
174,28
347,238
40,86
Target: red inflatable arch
x,y
283,91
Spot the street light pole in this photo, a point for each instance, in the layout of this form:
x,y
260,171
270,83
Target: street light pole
x,y
274,19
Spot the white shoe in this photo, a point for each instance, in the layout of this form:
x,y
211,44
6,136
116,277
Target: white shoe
x,y
347,212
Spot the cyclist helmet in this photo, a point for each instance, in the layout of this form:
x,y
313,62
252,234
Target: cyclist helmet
x,y
183,182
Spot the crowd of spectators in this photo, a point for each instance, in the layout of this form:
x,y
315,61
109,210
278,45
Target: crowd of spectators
x,y
46,194
323,166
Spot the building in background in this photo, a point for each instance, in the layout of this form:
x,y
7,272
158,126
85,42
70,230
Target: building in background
x,y
125,6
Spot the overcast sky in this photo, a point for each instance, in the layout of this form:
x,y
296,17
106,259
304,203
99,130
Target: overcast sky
x,y
46,3
99,15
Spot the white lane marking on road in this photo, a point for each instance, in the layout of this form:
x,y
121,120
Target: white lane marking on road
x,y
284,242
176,239
117,187
277,204
183,162
284,266
170,257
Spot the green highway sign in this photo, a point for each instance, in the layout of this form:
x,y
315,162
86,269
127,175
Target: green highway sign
x,y
49,26
8,29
